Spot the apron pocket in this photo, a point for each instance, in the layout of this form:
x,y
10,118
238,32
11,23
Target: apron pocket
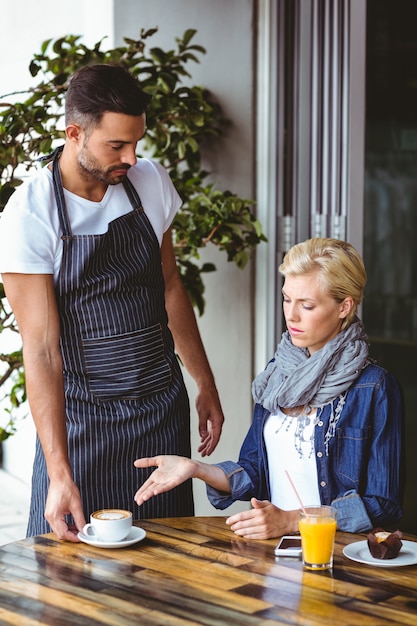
x,y
127,366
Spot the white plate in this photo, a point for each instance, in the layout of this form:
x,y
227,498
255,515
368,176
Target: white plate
x,y
135,535
359,552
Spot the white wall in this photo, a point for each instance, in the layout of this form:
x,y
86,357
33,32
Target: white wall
x,y
225,30
26,25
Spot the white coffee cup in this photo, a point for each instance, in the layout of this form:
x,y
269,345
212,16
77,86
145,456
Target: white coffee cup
x,y
109,525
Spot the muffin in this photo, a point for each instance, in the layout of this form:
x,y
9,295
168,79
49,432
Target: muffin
x,y
383,544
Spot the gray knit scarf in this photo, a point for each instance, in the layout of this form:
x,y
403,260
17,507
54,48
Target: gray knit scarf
x,y
294,378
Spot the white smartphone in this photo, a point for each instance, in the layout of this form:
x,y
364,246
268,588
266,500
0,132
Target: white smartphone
x,y
289,545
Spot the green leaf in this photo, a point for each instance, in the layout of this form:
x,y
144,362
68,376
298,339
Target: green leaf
x,y
188,35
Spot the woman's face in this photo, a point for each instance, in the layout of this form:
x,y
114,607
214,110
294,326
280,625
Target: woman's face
x,y
312,317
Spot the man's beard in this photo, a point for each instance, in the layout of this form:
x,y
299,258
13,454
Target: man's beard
x,y
90,169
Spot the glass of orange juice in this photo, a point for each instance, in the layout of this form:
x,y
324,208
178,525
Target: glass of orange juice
x,y
317,529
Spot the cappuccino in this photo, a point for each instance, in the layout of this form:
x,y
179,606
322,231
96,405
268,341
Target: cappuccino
x,y
109,525
111,514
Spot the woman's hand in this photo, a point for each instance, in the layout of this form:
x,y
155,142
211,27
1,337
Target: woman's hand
x,y
263,521
171,471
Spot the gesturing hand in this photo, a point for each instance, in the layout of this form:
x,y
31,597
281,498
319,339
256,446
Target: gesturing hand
x,y
171,471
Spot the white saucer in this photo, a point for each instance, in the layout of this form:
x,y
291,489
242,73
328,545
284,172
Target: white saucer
x,y
135,535
359,552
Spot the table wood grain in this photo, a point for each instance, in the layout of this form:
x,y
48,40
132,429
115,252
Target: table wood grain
x,y
193,571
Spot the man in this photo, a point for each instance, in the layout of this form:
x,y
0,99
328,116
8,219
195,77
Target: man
x,y
89,270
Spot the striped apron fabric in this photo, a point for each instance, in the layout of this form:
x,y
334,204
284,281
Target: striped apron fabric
x,y
125,394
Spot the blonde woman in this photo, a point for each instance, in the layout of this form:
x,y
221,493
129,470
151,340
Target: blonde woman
x,y
324,411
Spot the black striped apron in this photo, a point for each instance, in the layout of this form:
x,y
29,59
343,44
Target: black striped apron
x,y
125,394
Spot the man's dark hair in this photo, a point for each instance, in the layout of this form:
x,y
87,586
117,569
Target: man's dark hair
x,y
97,89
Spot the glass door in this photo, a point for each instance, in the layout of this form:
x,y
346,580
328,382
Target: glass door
x,y
390,208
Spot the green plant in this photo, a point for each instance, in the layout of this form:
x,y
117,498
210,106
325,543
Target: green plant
x,y
12,374
180,120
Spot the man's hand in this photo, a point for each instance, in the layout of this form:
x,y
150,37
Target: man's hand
x,y
64,499
210,420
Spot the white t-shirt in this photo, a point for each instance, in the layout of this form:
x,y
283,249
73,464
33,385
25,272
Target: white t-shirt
x,y
280,442
30,233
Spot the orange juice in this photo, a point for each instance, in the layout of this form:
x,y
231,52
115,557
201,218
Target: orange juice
x,y
317,530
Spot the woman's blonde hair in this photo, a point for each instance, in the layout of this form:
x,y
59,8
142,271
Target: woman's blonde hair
x,y
340,269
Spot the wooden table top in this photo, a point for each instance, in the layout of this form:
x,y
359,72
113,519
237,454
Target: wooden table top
x,y
190,571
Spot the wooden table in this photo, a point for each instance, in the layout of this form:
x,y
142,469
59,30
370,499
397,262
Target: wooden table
x,y
195,571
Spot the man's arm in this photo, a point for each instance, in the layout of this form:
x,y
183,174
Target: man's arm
x,y
188,344
32,299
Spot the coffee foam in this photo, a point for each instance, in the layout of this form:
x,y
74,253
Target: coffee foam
x,y
111,514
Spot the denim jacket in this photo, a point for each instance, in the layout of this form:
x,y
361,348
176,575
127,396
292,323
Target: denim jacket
x,y
361,472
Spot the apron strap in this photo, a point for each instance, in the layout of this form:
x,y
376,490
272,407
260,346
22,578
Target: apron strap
x,y
59,195
132,194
